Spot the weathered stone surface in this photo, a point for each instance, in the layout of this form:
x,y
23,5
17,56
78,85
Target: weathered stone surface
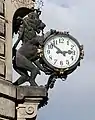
x,y
7,99
7,107
2,27
7,89
28,110
24,91
24,3
2,47
1,6
2,67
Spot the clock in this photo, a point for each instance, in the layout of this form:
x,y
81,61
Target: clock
x,y
62,52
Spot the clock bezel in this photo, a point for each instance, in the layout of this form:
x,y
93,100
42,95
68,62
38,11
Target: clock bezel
x,y
61,69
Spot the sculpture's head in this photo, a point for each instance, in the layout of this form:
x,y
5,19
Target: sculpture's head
x,y
38,24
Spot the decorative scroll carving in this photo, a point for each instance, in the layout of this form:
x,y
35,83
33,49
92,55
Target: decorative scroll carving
x,y
27,110
2,47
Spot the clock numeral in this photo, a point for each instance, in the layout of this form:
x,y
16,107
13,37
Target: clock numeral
x,y
48,51
61,62
50,46
61,40
67,62
67,42
55,42
72,46
55,60
74,52
72,57
50,57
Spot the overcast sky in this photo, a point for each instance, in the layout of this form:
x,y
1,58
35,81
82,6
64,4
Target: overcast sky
x,y
73,99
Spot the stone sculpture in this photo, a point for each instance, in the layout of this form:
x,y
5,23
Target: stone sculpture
x,y
27,55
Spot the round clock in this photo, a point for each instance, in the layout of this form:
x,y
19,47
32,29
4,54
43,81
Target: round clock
x,y
61,51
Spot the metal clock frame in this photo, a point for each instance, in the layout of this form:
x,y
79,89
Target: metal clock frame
x,y
67,70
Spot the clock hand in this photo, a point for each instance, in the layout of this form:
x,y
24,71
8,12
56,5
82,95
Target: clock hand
x,y
64,52
58,50
69,52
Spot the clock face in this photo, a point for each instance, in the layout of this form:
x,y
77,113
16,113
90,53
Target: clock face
x,y
61,52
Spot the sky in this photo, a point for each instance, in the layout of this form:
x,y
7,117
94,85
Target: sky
x,y
73,99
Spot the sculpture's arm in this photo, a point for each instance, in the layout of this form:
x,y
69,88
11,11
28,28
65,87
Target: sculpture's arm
x,y
37,63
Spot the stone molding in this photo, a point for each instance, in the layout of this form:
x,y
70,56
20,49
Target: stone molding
x,y
31,91
2,7
2,27
28,100
2,40
27,110
2,46
7,89
2,68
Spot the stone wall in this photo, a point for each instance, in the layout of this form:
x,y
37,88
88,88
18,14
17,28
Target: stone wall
x,y
7,100
7,90
2,39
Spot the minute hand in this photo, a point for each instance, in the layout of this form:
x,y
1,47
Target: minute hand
x,y
58,50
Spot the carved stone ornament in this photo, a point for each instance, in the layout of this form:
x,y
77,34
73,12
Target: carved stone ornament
x,y
29,109
26,111
25,2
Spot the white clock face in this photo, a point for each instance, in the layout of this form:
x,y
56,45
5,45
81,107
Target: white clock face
x,y
61,52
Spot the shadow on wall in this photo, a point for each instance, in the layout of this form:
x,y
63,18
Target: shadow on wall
x,y
22,12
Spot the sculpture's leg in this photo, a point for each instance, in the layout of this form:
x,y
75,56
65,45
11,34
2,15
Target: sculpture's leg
x,y
23,62
21,80
22,72
32,78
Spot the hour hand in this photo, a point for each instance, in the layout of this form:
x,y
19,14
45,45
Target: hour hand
x,y
69,52
64,52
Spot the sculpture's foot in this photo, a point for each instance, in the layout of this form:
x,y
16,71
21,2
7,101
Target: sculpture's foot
x,y
33,76
32,83
21,80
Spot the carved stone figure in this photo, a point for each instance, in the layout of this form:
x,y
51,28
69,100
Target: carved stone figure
x,y
25,58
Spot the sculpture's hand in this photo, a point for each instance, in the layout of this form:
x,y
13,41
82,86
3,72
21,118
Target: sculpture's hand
x,y
40,40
